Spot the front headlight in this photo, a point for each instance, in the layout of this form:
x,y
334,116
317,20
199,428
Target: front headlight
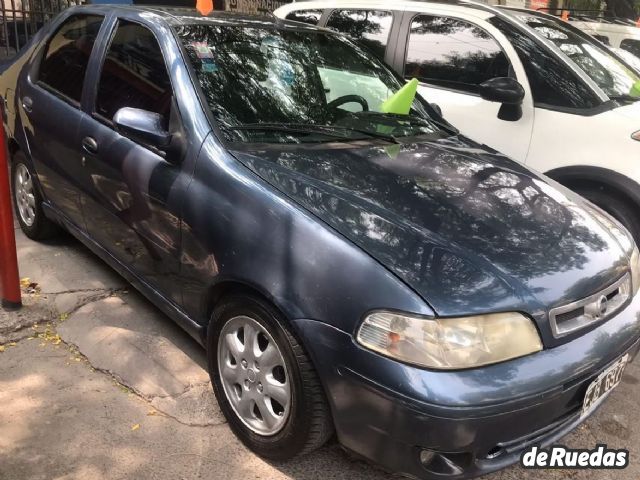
x,y
450,343
635,270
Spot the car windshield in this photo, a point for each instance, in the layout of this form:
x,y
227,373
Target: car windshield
x,y
284,85
613,77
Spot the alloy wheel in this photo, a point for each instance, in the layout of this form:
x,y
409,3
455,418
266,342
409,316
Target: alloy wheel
x,y
254,375
24,195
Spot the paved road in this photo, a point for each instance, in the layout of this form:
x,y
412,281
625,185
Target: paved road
x,y
100,385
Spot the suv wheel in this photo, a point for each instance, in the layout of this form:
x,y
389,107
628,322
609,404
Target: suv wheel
x,y
264,382
617,208
28,202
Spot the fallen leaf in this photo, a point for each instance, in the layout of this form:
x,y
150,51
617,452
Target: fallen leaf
x,y
152,412
1,348
12,344
63,316
24,282
135,427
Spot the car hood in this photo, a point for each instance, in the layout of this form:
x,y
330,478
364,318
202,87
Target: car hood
x,y
465,227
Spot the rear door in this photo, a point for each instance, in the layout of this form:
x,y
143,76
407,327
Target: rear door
x,y
451,55
130,200
49,103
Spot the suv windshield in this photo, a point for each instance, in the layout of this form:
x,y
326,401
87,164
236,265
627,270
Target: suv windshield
x,y
610,74
278,85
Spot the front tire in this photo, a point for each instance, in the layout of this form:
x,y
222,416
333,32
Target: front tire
x,y
28,202
618,208
264,382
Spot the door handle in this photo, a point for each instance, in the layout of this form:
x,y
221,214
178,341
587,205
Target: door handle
x,y
27,104
90,145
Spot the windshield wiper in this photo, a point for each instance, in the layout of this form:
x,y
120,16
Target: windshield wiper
x,y
413,119
328,130
282,127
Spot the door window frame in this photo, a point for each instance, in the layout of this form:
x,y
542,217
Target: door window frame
x,y
34,71
400,60
89,105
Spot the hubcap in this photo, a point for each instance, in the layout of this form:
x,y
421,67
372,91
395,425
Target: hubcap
x,y
24,195
254,375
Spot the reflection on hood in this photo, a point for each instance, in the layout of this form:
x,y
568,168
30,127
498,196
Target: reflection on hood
x,y
469,230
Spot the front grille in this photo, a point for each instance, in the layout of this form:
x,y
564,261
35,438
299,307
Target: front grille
x,y
595,308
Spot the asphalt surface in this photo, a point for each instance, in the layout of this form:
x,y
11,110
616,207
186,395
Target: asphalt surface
x,y
95,383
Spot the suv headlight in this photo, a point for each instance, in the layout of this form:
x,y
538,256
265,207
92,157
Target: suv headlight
x,y
635,270
449,343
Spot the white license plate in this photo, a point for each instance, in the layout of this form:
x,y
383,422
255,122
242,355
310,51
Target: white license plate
x,y
601,386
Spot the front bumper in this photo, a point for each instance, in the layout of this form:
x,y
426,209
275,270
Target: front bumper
x,y
476,421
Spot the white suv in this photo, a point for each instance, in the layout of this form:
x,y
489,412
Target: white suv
x,y
522,82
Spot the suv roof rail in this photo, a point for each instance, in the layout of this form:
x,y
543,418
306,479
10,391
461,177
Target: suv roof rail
x,y
587,15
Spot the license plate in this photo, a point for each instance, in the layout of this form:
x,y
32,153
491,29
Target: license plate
x,y
601,386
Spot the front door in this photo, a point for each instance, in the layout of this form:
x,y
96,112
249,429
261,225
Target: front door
x,y
451,57
132,196
51,105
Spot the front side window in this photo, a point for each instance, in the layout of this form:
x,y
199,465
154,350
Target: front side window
x,y
310,17
453,53
369,27
611,75
291,86
552,83
133,73
66,57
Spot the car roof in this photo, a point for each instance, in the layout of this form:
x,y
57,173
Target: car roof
x,y
384,4
184,15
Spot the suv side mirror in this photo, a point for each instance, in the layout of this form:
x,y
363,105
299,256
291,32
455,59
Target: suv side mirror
x,y
507,91
142,126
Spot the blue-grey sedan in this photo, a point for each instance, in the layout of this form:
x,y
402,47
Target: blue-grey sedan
x,y
349,267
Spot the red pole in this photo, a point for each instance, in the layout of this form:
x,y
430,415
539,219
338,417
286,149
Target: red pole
x,y
9,277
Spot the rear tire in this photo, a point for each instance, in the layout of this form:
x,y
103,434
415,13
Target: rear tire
x,y
618,208
300,420
27,201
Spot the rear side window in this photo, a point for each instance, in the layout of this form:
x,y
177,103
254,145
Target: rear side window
x,y
631,45
368,27
66,56
134,73
453,53
311,17
552,82
602,38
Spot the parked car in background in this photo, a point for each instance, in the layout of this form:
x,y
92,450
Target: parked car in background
x,y
632,60
616,32
348,268
565,104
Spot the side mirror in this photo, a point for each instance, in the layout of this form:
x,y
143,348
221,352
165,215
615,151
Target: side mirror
x,y
507,91
503,90
142,126
437,108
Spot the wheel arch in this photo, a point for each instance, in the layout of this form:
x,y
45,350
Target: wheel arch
x,y
585,177
230,286
13,147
